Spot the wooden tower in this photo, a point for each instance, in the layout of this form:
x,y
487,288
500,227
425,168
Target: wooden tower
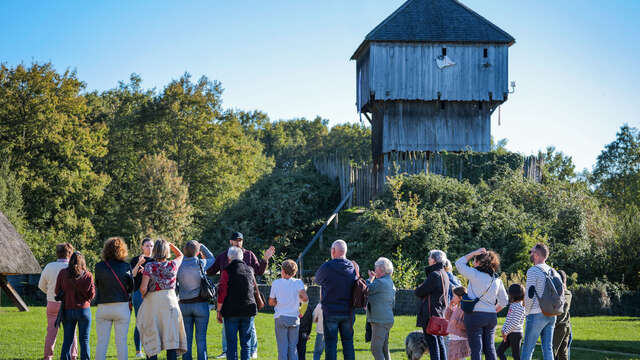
x,y
429,77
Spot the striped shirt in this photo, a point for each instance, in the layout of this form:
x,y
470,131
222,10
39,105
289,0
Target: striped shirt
x,y
514,323
536,278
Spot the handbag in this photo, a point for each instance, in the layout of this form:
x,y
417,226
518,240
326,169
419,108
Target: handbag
x,y
121,286
207,291
257,295
467,304
438,325
60,316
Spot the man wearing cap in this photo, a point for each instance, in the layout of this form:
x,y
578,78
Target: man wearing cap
x,y
258,266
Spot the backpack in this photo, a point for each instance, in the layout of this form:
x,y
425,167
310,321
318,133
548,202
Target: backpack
x,y
552,300
360,294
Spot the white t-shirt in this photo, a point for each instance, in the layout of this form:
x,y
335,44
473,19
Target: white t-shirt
x,y
285,291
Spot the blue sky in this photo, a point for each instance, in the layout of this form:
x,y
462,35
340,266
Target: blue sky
x,y
576,62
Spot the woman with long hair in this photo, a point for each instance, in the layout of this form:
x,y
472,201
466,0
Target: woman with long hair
x,y
137,266
75,288
159,319
487,288
114,284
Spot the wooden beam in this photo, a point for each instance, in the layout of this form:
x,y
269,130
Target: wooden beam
x,y
368,117
12,293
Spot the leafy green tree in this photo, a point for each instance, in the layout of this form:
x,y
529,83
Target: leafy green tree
x,y
294,142
45,133
162,205
557,165
351,141
616,174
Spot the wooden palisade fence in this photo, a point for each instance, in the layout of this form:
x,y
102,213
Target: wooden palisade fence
x,y
367,179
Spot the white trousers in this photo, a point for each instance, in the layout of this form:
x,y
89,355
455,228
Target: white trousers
x,y
116,315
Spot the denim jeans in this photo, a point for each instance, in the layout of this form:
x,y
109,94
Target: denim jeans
x,y
81,317
319,347
137,301
234,326
224,339
481,328
437,347
334,324
253,342
196,314
538,325
286,328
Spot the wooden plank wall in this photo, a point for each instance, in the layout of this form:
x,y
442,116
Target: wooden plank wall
x,y
408,71
367,180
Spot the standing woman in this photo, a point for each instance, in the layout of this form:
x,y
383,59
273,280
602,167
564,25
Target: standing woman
x,y
137,266
435,299
195,310
382,298
485,286
114,284
159,318
75,288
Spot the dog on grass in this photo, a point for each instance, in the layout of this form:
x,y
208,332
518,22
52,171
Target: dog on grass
x,y
415,345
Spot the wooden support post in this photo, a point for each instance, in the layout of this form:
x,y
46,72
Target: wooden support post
x,y
12,293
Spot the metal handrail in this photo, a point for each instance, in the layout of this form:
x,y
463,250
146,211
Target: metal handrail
x,y
319,233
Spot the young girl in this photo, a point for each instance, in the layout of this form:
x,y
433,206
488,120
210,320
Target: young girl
x,y
286,295
458,347
319,346
513,324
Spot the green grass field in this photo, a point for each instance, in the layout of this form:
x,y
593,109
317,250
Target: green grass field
x,y
22,337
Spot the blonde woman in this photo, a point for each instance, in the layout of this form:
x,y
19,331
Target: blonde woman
x,y
159,319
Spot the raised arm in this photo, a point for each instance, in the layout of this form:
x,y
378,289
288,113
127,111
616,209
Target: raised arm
x,y
209,259
177,253
463,267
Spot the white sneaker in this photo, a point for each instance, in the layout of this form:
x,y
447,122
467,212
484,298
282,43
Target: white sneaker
x,y
254,355
139,354
221,356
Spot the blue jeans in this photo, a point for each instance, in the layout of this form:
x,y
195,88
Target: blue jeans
x,y
319,347
253,342
287,328
437,347
81,317
234,326
196,314
334,324
481,328
538,325
137,301
570,341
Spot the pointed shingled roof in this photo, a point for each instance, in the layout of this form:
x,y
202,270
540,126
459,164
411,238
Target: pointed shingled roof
x,y
436,21
16,257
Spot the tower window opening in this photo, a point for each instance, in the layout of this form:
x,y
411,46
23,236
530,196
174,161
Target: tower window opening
x,y
441,105
485,53
444,51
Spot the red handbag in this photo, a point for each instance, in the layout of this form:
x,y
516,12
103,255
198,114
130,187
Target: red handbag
x,y
438,325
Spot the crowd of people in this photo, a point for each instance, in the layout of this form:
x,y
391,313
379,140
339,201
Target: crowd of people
x,y
171,309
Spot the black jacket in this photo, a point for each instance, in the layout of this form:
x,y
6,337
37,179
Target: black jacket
x,y
433,289
240,300
306,322
108,290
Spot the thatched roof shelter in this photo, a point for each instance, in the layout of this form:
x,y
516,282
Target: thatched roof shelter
x,y
16,257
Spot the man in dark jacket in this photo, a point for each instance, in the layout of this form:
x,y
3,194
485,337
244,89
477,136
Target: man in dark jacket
x,y
258,266
237,304
337,277
433,301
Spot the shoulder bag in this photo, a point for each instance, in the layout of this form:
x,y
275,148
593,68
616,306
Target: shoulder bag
x,y
438,325
207,290
121,286
467,303
257,295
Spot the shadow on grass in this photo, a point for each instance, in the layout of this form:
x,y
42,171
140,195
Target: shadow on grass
x,y
627,346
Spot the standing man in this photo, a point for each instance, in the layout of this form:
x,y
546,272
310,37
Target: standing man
x,y
336,277
47,284
259,267
538,324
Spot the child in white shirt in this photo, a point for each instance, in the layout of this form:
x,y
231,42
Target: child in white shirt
x,y
318,319
286,295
